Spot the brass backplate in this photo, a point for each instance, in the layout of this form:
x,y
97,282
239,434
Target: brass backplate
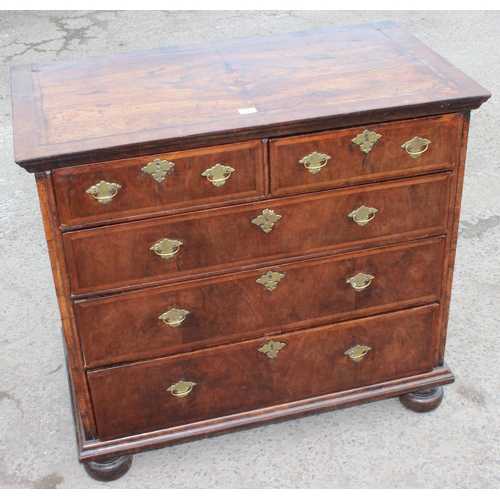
x,y
266,220
366,140
272,348
270,280
158,169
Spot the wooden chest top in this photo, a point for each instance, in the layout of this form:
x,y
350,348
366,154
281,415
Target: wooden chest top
x,y
112,107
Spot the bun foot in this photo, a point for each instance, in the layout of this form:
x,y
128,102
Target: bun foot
x,y
423,401
108,469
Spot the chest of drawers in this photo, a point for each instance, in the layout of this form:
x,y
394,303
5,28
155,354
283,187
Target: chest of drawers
x,y
247,231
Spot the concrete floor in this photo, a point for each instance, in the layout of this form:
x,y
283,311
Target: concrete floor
x,y
378,445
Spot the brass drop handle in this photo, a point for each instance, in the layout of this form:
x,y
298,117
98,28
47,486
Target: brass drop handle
x,y
104,191
218,174
174,317
416,146
363,215
357,352
360,281
181,389
166,248
315,161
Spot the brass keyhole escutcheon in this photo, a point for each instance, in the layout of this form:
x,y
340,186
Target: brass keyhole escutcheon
x,y
270,280
158,169
360,281
363,215
272,348
266,220
315,161
174,317
366,140
166,248
181,389
104,191
416,146
218,174
357,352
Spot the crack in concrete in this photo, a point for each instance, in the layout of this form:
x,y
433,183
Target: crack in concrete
x,y
472,230
68,34
29,46
79,34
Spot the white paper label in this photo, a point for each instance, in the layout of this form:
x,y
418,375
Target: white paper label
x,y
246,111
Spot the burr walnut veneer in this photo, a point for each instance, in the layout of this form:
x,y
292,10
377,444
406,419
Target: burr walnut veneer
x,y
247,231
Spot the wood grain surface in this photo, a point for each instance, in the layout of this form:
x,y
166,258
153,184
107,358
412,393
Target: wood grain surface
x,y
349,165
236,307
230,379
183,188
168,99
218,241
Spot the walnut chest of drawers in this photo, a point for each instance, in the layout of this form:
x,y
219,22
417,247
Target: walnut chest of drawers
x,y
247,231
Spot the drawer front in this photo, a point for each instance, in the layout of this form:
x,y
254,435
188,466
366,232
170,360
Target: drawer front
x,y
345,162
147,396
138,186
218,240
141,325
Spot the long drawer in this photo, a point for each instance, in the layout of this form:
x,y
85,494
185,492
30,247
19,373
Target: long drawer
x,y
168,392
164,183
179,318
217,241
314,162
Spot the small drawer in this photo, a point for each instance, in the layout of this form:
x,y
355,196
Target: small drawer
x,y
217,241
156,184
223,381
198,314
364,154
